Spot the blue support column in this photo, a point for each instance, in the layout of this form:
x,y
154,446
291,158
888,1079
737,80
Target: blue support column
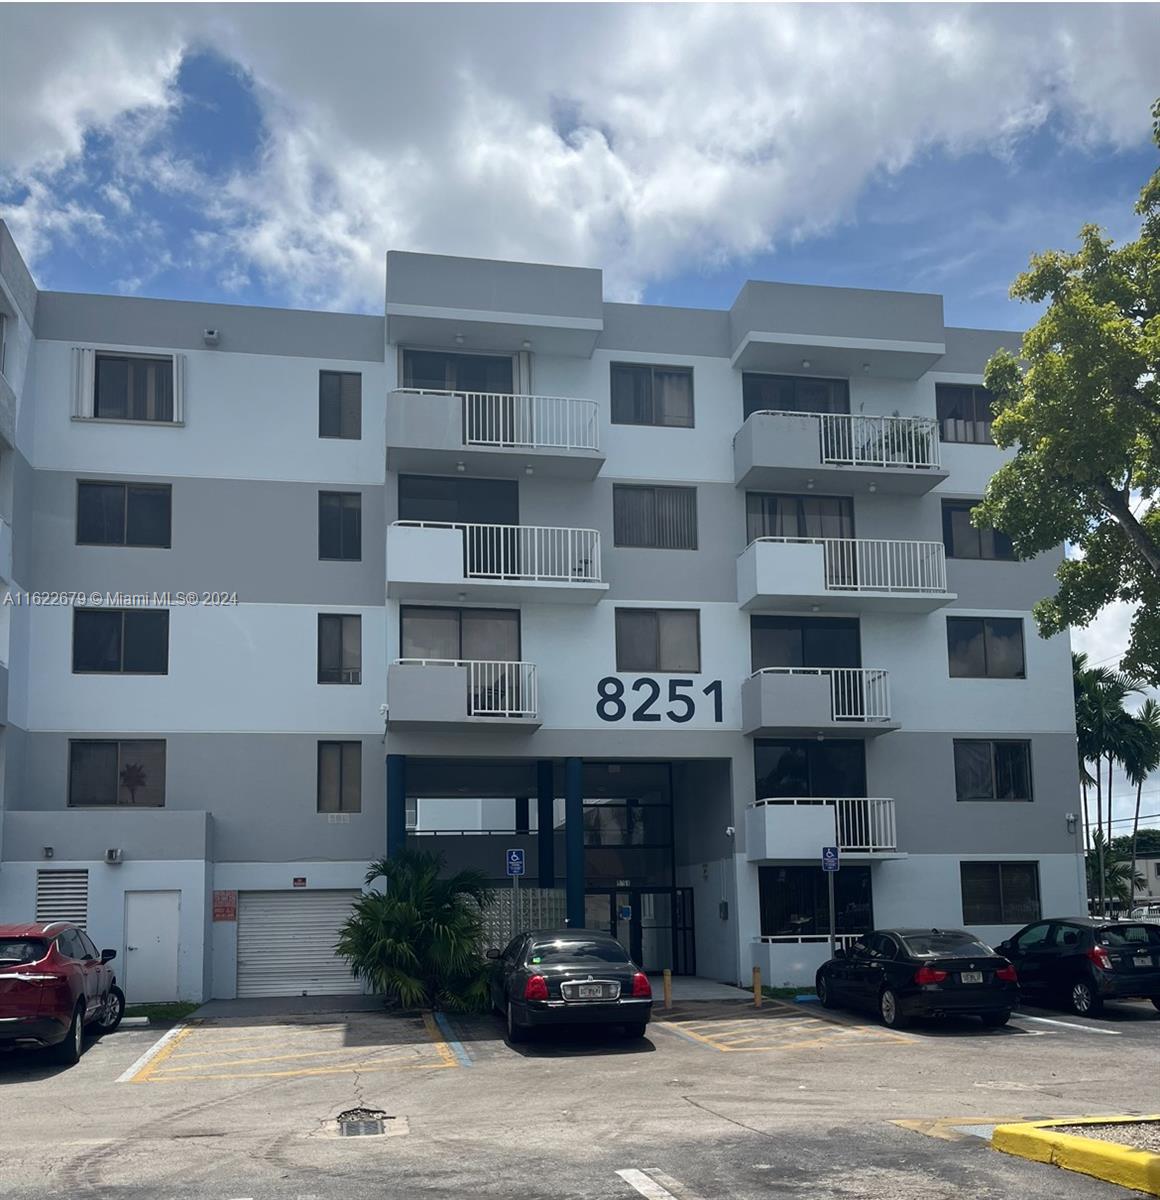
x,y
574,839
396,804
546,819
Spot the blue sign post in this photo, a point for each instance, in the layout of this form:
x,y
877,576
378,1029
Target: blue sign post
x,y
831,862
515,868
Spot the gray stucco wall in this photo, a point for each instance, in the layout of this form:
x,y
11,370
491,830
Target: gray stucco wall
x,y
969,349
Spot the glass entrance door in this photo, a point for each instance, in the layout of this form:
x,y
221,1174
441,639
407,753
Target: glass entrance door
x,y
641,920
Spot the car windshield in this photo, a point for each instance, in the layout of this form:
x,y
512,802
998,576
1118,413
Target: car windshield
x,y
940,942
581,950
1130,935
21,950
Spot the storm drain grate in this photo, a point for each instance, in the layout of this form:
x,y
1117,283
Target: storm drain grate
x,y
362,1122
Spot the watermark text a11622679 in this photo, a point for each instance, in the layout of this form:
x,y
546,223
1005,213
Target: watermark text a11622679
x,y
107,599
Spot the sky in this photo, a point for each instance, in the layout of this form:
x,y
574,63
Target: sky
x,y
272,154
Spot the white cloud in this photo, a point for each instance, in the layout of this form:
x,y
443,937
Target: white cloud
x,y
692,135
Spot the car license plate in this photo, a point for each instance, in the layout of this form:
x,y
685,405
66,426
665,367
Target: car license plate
x,y
1143,960
971,976
590,991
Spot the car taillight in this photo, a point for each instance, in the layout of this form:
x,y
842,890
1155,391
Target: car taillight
x,y
536,988
641,988
1007,974
929,975
1099,956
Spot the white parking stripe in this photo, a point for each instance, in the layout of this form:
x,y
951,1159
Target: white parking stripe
x,y
1067,1024
644,1185
151,1053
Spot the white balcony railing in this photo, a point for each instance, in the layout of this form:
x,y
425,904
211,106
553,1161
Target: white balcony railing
x,y
861,826
528,422
878,564
853,440
542,553
856,693
842,941
494,689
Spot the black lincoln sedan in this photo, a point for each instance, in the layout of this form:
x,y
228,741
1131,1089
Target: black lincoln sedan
x,y
568,977
905,973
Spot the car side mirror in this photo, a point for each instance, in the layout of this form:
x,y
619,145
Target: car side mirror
x,y
839,953
493,952
108,955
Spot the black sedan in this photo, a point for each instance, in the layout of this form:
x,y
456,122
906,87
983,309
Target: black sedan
x,y
568,977
905,973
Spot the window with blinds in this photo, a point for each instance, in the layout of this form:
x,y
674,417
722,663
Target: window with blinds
x,y
657,518
62,896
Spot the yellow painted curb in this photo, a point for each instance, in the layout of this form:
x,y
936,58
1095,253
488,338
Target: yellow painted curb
x,y
1039,1141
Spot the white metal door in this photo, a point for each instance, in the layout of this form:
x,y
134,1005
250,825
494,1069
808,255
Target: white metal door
x,y
286,944
152,942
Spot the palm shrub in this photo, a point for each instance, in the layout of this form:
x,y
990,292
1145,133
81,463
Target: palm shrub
x,y
418,940
1121,881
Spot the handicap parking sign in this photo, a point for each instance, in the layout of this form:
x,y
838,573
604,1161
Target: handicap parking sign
x,y
830,860
515,862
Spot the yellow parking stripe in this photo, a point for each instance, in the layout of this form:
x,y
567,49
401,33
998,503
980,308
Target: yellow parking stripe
x,y
241,1062
445,1051
151,1066
362,1067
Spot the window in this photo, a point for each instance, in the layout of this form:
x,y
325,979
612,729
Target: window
x,y
963,540
340,526
340,404
658,518
111,773
658,639
1000,893
339,648
460,634
985,647
339,777
804,642
791,393
120,641
133,387
438,371
459,499
964,413
771,515
123,514
794,901
986,770
644,395
1037,935
794,768
70,945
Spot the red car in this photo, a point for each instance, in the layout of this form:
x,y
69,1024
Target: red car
x,y
53,983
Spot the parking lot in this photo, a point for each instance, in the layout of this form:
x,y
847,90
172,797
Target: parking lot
x,y
720,1101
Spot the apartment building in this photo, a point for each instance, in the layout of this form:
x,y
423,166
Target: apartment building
x,y
668,598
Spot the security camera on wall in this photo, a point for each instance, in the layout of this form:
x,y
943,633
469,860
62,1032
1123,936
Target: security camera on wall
x,y
211,337
729,831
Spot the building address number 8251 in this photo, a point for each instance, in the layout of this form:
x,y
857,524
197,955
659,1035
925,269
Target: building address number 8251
x,y
642,700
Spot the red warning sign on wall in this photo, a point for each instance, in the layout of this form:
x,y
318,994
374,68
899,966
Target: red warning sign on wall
x,y
225,906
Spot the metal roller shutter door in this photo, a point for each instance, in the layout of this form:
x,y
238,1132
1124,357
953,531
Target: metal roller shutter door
x,y
286,944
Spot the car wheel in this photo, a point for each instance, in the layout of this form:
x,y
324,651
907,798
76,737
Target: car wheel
x,y
112,1012
889,1010
993,1020
635,1029
515,1033
825,992
68,1051
1085,1002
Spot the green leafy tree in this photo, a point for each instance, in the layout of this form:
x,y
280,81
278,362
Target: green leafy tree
x,y
1147,842
1083,412
1103,864
419,940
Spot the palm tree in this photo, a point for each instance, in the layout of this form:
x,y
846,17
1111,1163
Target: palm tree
x,y
133,778
419,940
1120,881
1141,758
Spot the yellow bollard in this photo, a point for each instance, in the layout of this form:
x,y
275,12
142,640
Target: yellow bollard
x,y
756,987
668,983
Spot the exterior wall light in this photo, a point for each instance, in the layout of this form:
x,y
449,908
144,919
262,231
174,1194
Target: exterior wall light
x,y
48,852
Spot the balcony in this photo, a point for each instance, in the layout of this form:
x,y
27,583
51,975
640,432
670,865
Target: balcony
x,y
862,829
493,434
837,452
430,559
852,701
842,575
442,693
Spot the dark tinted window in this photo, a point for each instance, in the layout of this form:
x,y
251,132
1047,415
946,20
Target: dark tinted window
x,y
786,515
791,393
945,941
992,770
439,371
339,777
340,404
1000,893
457,499
805,767
962,540
339,648
658,518
112,772
964,413
340,526
985,647
133,388
794,901
568,951
804,642
69,944
647,395
658,639
1130,935
121,641
22,950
